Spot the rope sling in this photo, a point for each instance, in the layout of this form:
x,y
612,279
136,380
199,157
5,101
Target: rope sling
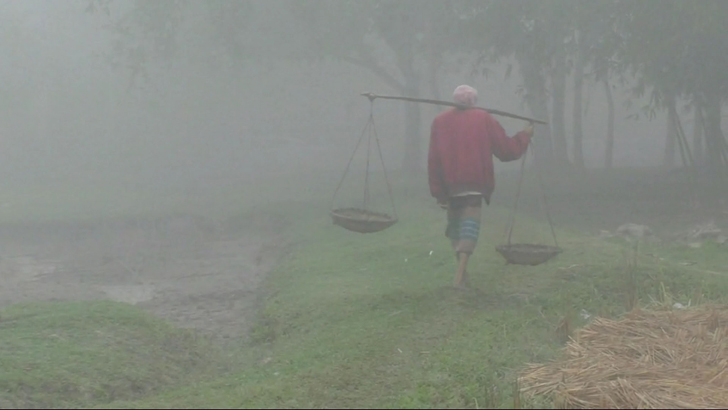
x,y
528,254
363,220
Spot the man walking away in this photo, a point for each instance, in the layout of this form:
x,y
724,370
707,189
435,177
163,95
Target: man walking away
x,y
463,142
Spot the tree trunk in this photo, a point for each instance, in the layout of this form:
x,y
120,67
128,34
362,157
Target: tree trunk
x,y
558,102
698,148
578,149
714,137
715,148
433,83
670,139
537,102
410,88
609,146
412,162
678,133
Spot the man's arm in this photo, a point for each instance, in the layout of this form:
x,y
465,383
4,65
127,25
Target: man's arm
x,y
434,167
505,148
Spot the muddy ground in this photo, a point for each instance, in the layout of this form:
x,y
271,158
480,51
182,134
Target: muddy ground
x,y
185,269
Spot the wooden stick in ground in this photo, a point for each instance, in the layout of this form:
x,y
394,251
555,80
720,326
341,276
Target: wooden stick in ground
x,y
373,97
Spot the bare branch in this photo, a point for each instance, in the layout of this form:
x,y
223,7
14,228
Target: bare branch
x,y
380,72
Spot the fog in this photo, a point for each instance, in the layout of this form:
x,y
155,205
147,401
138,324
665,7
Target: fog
x,y
71,116
180,157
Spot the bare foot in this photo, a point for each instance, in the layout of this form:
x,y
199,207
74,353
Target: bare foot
x,y
464,284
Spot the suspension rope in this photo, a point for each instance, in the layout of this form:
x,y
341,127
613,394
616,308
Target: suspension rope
x,y
370,131
545,205
512,218
369,150
384,168
348,165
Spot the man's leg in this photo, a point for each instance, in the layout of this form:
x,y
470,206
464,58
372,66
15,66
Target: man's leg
x,y
460,276
458,258
466,227
454,211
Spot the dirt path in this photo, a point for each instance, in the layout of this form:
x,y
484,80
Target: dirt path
x,y
183,269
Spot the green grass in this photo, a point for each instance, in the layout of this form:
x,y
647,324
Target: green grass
x,y
85,353
353,320
356,320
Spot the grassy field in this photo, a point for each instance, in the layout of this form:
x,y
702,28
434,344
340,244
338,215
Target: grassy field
x,y
371,321
357,320
67,355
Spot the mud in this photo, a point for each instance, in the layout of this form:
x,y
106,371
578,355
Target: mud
x,y
184,269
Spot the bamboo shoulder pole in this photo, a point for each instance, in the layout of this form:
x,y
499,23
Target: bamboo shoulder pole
x,y
373,97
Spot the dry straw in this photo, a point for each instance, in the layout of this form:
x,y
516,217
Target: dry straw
x,y
649,359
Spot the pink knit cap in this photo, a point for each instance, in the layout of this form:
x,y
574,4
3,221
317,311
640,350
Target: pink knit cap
x,y
465,95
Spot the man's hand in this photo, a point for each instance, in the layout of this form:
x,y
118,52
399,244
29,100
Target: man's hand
x,y
529,129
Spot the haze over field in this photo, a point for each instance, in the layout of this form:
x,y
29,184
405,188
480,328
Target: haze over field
x,y
220,106
167,166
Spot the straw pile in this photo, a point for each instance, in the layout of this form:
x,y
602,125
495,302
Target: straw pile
x,y
649,359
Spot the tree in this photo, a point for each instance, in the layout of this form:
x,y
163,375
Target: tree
x,y
403,49
698,148
671,136
604,48
361,33
609,146
595,44
149,34
537,36
679,49
558,104
579,63
675,50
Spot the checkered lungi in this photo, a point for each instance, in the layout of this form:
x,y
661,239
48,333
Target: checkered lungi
x,y
463,222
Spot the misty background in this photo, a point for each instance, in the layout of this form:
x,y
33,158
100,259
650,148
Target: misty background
x,y
151,95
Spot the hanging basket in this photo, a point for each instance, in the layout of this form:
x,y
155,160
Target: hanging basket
x,y
362,221
525,253
528,254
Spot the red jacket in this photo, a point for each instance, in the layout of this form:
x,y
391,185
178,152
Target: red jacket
x,y
462,146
